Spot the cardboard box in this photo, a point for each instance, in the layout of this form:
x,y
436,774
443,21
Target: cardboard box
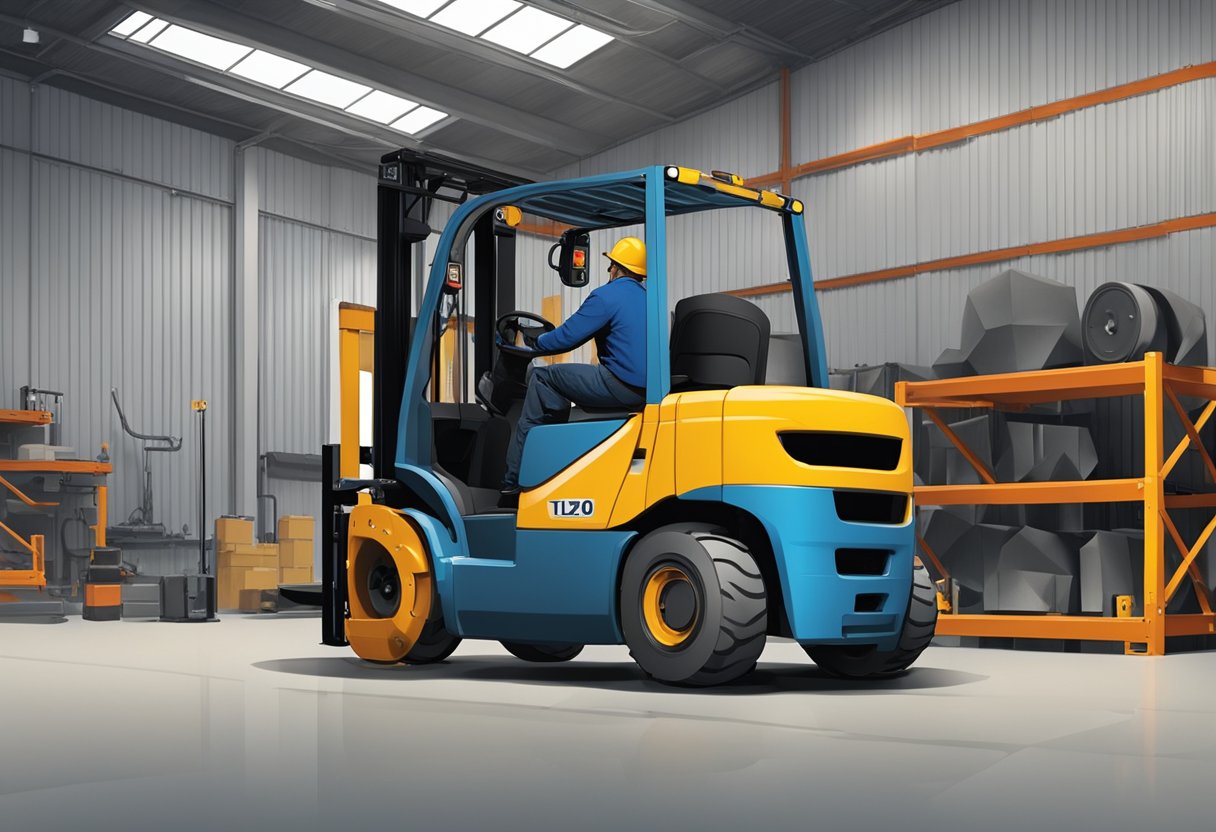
x,y
297,575
296,527
230,530
256,600
294,554
245,555
236,578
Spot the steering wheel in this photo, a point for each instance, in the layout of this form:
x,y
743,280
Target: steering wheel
x,y
511,326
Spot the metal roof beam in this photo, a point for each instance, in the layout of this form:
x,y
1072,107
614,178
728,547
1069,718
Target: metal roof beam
x,y
711,24
436,35
234,25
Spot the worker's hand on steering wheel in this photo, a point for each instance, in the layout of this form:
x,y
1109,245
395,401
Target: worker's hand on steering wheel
x,y
525,326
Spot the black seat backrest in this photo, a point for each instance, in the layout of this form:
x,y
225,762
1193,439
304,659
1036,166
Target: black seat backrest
x,y
718,342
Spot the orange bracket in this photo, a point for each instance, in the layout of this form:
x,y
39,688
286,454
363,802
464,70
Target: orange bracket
x,y
967,453
1186,441
22,496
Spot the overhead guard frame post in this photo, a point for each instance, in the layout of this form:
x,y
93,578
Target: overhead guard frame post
x,y
1158,383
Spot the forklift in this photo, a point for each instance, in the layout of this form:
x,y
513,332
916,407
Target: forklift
x,y
723,509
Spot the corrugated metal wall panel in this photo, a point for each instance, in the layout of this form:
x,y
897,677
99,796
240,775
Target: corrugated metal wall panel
x,y
78,129
326,196
15,276
137,297
1130,163
974,60
303,270
14,113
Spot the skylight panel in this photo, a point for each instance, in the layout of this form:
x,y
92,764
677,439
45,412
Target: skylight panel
x,y
421,8
570,48
472,17
149,31
381,106
527,29
269,69
130,23
328,89
204,49
415,121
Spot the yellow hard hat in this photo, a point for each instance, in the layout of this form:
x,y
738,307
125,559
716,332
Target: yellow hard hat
x,y
629,252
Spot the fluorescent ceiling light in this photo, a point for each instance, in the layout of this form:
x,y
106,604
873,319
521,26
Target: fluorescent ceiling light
x,y
328,89
381,106
269,69
573,46
204,49
527,29
130,23
421,8
149,31
415,121
472,17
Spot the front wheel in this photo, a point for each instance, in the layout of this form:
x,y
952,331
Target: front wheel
x,y
867,662
693,606
543,652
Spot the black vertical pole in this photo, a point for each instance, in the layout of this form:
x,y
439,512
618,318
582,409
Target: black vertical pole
x,y
202,490
333,553
392,326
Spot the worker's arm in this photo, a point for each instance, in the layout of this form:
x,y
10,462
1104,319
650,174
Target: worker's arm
x,y
579,328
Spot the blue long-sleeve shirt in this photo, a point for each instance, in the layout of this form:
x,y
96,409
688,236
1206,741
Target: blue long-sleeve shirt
x,y
615,316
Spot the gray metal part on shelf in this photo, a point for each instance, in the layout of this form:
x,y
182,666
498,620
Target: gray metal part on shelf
x,y
1032,452
786,363
1185,326
952,363
1019,321
1111,564
141,609
976,434
1023,590
1008,572
966,559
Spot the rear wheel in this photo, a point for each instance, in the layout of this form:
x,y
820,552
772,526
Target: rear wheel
x,y
542,652
867,662
693,606
434,645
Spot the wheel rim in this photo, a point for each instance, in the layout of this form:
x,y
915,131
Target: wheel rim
x,y
670,606
384,587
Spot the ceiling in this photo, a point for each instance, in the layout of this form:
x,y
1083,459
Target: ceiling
x,y
669,60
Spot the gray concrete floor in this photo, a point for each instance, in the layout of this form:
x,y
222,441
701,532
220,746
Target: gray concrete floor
x,y
251,724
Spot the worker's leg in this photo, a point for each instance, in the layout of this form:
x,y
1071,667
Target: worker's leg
x,y
551,388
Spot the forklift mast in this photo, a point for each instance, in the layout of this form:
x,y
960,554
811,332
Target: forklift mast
x,y
409,183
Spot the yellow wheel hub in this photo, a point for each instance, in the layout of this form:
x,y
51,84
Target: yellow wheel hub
x,y
390,583
670,606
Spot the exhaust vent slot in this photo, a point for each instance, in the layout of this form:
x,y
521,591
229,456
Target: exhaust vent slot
x,y
868,562
869,602
871,507
843,450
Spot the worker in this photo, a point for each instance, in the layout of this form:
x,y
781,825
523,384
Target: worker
x,y
615,316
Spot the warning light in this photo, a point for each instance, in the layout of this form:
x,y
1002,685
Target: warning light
x,y
580,259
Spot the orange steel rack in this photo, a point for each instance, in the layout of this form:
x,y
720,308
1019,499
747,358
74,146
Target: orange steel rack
x,y
1159,383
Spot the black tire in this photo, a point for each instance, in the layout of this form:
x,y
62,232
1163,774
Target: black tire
x,y
866,662
434,645
543,652
715,590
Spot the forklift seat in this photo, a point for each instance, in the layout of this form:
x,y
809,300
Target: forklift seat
x,y
718,342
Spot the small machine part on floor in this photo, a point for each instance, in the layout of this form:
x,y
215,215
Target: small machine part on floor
x,y
103,586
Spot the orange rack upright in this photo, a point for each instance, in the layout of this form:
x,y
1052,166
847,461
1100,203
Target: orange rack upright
x,y
1159,383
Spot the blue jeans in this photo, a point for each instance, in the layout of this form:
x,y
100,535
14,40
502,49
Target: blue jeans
x,y
551,389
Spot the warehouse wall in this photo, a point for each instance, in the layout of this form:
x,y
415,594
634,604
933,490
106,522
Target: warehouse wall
x,y
1117,165
116,253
